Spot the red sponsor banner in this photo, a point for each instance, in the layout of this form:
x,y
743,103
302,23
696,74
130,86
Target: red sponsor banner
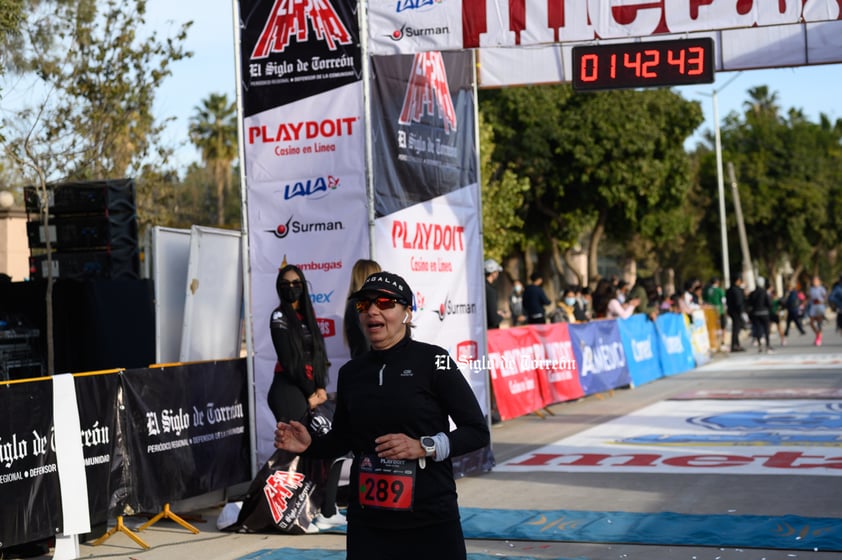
x,y
532,367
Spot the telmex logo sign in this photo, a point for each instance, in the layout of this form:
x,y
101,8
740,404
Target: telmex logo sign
x,y
292,19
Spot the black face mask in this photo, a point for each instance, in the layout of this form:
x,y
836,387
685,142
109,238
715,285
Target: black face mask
x,y
290,294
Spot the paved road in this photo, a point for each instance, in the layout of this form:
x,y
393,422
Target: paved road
x,y
797,365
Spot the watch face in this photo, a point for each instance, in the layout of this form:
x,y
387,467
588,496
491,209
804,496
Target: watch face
x,y
428,442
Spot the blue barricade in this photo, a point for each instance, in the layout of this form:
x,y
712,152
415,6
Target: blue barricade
x,y
600,355
676,351
640,341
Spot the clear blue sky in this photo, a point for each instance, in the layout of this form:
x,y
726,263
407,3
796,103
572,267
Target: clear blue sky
x,y
813,89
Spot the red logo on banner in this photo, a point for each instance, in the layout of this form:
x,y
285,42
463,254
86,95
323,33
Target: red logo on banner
x,y
290,18
467,351
327,326
427,91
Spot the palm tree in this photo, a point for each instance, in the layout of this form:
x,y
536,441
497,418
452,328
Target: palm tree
x,y
213,130
763,101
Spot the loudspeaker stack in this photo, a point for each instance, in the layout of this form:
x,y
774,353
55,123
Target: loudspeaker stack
x,y
92,227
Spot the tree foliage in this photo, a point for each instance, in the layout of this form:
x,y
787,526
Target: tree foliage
x,y
213,130
95,82
787,170
607,164
502,194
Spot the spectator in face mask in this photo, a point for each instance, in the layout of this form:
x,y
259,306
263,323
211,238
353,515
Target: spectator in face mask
x,y
301,369
568,309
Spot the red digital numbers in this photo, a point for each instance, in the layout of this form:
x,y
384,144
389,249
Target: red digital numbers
x,y
644,64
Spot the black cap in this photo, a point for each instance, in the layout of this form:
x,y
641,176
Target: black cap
x,y
385,283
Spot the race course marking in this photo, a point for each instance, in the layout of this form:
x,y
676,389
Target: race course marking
x,y
723,436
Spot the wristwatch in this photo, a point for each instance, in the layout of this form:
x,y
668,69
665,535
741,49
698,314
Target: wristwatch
x,y
429,445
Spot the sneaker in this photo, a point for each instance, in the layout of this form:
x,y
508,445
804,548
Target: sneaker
x,y
770,350
311,528
819,339
325,523
783,342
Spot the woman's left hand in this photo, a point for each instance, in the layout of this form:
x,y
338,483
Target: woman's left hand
x,y
399,446
317,398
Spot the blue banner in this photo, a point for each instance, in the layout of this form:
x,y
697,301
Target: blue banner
x,y
676,351
600,355
640,341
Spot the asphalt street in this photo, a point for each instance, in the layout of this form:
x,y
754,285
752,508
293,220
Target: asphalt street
x,y
797,366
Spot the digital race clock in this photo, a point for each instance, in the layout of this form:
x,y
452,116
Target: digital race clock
x,y
644,64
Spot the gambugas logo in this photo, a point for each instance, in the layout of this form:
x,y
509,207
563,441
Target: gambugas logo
x,y
314,188
292,226
416,5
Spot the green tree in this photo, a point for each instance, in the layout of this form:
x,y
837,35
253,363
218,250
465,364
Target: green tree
x,y
601,165
94,88
502,197
787,170
95,85
213,130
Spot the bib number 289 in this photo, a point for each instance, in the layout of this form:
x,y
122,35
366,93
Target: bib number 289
x,y
386,491
387,484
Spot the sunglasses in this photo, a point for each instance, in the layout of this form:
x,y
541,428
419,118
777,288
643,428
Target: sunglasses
x,y
362,305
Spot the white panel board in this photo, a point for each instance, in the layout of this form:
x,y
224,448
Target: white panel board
x,y
213,297
170,255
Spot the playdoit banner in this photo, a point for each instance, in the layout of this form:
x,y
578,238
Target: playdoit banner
x,y
305,168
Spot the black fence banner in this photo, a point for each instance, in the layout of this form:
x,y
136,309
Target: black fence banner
x,y
97,398
186,431
29,483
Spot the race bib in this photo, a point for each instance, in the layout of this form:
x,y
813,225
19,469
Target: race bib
x,y
387,483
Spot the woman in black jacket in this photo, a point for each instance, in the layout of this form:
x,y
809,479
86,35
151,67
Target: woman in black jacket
x,y
392,410
301,369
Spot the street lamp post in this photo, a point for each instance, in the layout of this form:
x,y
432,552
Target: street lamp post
x,y
720,183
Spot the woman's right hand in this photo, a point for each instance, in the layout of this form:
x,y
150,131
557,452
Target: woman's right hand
x,y
292,437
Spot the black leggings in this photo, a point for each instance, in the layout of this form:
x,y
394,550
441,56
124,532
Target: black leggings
x,y
442,541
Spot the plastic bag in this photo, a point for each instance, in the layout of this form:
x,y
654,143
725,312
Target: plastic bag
x,y
287,491
281,497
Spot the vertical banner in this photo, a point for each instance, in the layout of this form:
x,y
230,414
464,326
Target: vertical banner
x,y
29,482
600,355
426,198
304,135
186,431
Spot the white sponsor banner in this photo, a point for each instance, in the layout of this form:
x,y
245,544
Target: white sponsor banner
x,y
307,137
409,26
306,207
753,437
436,247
